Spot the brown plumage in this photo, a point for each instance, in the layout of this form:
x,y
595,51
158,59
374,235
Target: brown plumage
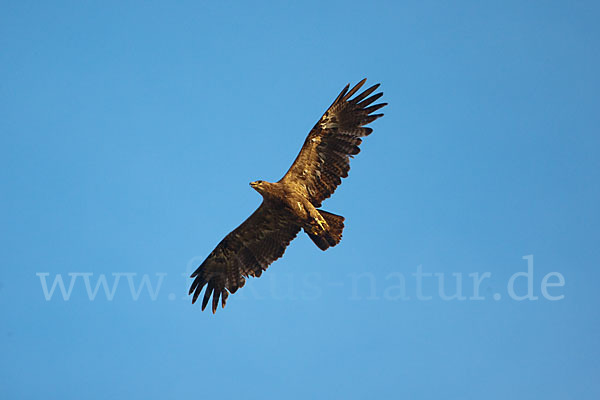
x,y
291,203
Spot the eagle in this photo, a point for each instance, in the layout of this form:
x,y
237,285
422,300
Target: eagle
x,y
292,204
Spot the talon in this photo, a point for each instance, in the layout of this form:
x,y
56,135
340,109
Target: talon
x,y
321,224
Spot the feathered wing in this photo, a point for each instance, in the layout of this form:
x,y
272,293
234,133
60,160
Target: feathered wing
x,y
247,251
325,155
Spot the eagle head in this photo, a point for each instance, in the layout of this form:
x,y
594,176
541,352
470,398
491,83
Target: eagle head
x,y
259,186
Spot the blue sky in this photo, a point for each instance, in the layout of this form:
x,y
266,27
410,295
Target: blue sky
x,y
128,136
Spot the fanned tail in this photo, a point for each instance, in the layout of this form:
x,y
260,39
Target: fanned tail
x,y
332,235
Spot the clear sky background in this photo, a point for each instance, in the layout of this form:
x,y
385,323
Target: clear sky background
x,y
129,133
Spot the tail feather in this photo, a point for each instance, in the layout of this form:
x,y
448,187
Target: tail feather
x,y
332,235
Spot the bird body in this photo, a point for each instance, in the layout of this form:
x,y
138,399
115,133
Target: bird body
x,y
290,200
293,203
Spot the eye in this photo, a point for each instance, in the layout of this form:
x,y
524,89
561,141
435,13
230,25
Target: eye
x,y
259,182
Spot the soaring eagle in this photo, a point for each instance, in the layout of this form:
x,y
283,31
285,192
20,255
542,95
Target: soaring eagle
x,y
293,202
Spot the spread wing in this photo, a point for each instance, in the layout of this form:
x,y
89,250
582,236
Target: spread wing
x,y
247,251
325,155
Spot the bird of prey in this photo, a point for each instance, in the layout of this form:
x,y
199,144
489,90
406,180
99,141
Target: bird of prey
x,y
292,204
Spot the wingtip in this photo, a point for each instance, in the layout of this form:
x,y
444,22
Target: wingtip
x,y
205,300
374,108
355,89
342,93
